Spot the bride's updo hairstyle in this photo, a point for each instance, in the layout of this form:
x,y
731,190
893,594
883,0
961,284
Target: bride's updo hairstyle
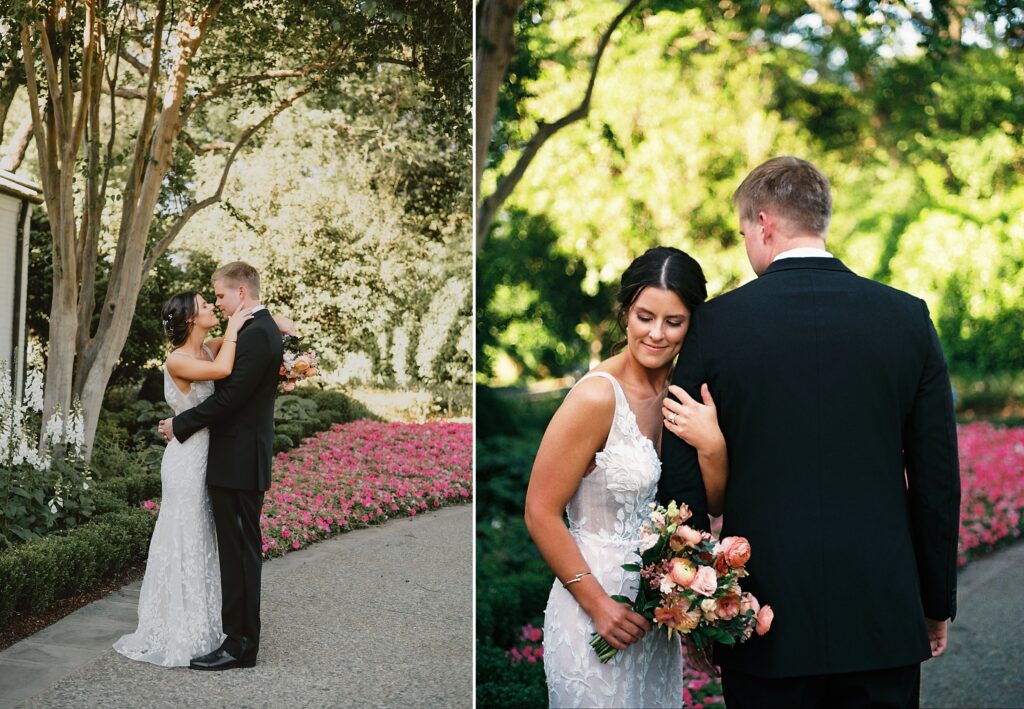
x,y
662,267
178,316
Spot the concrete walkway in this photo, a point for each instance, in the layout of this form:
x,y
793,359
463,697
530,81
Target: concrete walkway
x,y
983,666
378,617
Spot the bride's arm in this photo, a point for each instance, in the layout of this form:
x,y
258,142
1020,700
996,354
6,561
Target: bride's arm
x,y
200,370
697,424
577,431
284,324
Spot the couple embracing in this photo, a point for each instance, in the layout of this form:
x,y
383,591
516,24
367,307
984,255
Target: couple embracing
x,y
199,605
811,407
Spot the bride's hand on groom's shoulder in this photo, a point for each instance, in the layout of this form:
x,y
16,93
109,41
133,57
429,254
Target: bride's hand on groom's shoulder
x,y
696,422
619,624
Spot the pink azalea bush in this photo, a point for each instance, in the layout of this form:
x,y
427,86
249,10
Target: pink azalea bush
x,y
992,487
530,648
362,473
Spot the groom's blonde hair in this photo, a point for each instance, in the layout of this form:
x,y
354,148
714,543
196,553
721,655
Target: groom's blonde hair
x,y
239,273
795,189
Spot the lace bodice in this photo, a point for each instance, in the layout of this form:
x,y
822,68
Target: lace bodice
x,y
612,502
179,401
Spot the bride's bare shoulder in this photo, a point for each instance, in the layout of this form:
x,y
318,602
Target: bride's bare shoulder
x,y
592,396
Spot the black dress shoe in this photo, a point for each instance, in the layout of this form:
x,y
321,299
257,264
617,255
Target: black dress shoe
x,y
220,659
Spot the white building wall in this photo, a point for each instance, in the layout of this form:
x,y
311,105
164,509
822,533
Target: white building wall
x,y
10,209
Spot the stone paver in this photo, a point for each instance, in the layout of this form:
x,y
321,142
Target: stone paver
x,y
378,617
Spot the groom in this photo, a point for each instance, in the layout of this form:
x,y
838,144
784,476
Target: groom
x,y
834,398
240,416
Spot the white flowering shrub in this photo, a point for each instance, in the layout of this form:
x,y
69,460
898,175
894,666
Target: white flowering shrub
x,y
44,482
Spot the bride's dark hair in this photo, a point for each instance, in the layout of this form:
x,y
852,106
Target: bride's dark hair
x,y
662,267
178,316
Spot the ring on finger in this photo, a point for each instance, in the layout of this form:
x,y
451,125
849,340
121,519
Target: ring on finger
x,y
672,417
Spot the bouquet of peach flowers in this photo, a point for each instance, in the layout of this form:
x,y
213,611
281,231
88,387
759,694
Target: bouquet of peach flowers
x,y
298,363
689,584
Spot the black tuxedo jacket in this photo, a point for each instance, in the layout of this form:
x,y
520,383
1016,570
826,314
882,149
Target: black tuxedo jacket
x,y
240,413
828,387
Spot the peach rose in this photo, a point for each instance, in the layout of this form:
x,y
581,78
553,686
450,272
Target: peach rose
x,y
749,603
736,551
288,386
765,616
728,607
682,572
283,371
705,582
312,372
301,364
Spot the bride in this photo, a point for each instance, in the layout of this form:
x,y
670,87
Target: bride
x,y
180,600
599,463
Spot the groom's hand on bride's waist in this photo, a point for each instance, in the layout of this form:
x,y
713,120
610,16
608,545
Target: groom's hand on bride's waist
x,y
166,429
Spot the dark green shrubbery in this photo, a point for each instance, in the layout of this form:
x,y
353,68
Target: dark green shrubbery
x,y
513,581
34,574
101,528
308,410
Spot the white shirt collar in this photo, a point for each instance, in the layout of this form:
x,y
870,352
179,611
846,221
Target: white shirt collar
x,y
258,307
803,252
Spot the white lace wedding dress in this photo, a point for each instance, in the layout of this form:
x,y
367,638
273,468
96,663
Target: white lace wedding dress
x,y
605,516
179,605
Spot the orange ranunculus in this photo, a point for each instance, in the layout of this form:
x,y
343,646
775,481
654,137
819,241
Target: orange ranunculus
x,y
681,571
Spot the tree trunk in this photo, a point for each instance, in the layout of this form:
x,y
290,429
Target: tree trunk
x,y
17,147
496,45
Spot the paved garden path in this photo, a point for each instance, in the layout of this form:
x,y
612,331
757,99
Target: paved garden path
x,y
378,617
983,665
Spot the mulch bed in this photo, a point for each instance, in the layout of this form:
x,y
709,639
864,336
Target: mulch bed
x,y
22,625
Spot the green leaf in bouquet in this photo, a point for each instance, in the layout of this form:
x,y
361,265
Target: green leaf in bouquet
x,y
631,567
621,599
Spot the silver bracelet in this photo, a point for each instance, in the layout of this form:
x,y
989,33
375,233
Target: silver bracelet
x,y
575,579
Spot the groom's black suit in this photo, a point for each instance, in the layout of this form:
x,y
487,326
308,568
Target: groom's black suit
x,y
240,416
828,386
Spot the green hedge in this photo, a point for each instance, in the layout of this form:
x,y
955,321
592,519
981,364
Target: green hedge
x,y
503,685
35,574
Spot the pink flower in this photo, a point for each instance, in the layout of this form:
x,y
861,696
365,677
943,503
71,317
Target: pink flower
x,y
148,504
736,551
685,536
765,616
728,607
532,634
749,603
705,582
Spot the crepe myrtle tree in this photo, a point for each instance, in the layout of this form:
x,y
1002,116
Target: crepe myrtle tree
x,y
118,94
